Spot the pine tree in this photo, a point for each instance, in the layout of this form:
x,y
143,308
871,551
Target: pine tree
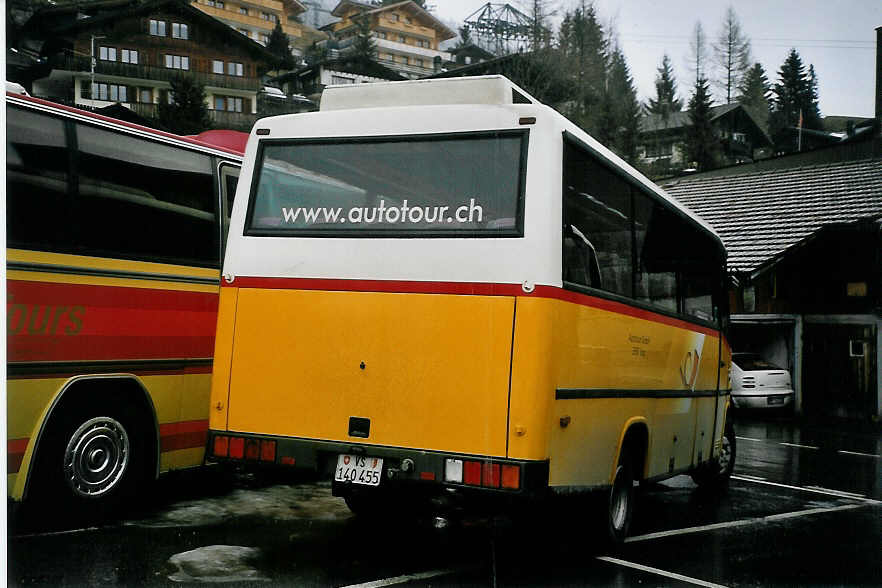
x,y
702,146
795,96
731,54
278,45
188,113
755,94
582,49
621,109
364,48
665,101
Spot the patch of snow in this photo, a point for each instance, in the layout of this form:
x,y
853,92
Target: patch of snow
x,y
217,563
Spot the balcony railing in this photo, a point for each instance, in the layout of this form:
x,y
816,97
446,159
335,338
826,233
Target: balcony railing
x,y
148,72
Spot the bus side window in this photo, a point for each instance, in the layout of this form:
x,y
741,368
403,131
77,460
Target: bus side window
x,y
229,174
580,259
144,200
656,237
597,203
37,182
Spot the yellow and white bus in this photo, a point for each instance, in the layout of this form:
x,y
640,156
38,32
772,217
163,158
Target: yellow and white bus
x,y
446,287
114,240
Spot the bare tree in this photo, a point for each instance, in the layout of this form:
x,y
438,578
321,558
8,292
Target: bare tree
x,y
540,13
731,54
697,58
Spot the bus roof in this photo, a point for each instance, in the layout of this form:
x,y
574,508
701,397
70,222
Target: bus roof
x,y
467,90
227,142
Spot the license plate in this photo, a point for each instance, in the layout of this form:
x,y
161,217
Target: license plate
x,y
776,400
359,469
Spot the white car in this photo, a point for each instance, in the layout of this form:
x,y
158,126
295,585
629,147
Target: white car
x,y
757,383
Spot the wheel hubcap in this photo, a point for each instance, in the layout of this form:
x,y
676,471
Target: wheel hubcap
x,y
96,457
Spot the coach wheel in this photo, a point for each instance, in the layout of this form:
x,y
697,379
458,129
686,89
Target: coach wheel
x,y
620,505
93,457
96,457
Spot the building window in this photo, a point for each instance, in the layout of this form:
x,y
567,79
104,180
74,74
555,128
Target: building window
x,y
180,31
217,66
215,3
129,56
146,97
107,53
235,69
266,16
407,20
665,149
243,10
245,32
228,103
264,39
393,17
177,62
418,62
402,39
157,28
422,43
405,60
112,92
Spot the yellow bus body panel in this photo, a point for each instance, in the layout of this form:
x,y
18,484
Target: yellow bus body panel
x,y
430,371
561,345
223,357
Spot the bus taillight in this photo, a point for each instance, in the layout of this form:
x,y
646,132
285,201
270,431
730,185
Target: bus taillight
x,y
221,446
486,474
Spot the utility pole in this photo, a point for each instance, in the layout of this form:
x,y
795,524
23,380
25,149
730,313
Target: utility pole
x,y
92,62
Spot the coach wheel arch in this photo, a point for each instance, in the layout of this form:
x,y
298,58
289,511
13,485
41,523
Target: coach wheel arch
x,y
104,402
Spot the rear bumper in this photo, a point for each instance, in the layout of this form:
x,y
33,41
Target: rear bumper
x,y
401,466
766,399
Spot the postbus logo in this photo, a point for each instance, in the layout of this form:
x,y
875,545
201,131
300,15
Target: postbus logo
x,y
689,368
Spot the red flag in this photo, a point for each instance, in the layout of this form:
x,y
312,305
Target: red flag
x,y
800,119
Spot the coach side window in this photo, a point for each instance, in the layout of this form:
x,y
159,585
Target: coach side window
x,y
597,204
656,233
37,181
144,200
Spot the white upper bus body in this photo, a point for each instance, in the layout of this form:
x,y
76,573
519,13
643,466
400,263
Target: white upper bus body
x,y
431,108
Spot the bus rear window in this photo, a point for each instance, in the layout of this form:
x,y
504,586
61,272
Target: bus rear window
x,y
468,185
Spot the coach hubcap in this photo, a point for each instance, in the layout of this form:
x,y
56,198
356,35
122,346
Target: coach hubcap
x,y
96,457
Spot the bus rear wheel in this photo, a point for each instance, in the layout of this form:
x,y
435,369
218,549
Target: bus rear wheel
x,y
621,500
91,460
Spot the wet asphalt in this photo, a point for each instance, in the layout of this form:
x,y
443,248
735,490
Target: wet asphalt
x,y
803,508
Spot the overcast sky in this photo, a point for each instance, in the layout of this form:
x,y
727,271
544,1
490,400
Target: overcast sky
x,y
837,36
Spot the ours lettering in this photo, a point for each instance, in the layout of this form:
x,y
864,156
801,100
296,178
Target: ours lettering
x,y
40,319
